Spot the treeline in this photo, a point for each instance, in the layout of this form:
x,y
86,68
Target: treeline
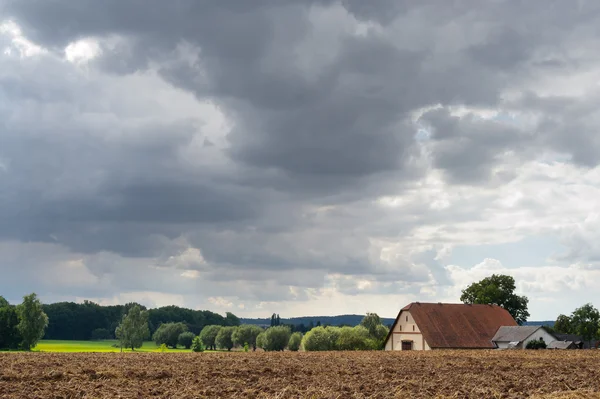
x,y
91,321
306,323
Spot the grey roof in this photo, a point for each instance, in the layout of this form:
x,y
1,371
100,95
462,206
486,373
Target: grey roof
x,y
568,337
514,333
561,345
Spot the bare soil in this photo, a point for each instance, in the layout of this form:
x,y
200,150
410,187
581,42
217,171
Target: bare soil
x,y
435,374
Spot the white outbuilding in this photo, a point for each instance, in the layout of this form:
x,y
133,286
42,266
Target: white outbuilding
x,y
517,337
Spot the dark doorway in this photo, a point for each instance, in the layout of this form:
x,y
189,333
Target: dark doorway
x,y
407,345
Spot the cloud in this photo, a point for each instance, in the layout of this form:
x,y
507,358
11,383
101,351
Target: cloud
x,y
291,155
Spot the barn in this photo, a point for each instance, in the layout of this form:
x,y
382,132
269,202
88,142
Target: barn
x,y
425,326
517,337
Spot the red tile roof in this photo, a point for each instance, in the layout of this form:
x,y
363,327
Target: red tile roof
x,y
449,325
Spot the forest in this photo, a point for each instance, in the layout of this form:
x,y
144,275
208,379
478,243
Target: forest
x,y
89,320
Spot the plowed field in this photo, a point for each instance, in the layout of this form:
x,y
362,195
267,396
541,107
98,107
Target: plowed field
x,y
444,374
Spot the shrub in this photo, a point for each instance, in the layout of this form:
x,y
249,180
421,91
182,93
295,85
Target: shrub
x,y
318,339
246,347
163,348
197,345
536,344
277,338
295,341
168,333
353,339
100,334
223,339
185,339
208,335
261,341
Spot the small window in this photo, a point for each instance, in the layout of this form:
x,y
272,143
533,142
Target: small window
x,y
406,318
400,327
413,327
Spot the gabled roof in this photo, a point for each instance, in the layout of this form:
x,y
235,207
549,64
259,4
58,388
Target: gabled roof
x,y
457,325
562,345
514,333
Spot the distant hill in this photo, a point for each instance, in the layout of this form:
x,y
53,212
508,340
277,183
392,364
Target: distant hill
x,y
549,323
346,319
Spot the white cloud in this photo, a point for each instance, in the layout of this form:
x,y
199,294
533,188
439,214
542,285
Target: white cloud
x,y
82,51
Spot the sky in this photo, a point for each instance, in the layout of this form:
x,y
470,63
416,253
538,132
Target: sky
x,y
303,157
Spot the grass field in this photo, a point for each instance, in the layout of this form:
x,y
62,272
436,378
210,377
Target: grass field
x,y
94,346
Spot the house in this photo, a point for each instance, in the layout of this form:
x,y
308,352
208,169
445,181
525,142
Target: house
x,y
508,337
424,326
581,344
563,345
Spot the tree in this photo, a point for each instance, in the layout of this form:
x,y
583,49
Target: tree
x,y
168,334
261,341
370,322
231,319
498,290
208,336
186,339
585,322
277,338
246,333
295,342
32,321
563,324
3,302
133,329
223,339
9,333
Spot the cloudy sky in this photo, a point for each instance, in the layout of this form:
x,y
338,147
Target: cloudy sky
x,y
300,157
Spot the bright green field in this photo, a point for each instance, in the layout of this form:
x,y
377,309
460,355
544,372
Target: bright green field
x,y
93,346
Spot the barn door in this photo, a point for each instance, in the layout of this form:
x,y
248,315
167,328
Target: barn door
x,y
407,345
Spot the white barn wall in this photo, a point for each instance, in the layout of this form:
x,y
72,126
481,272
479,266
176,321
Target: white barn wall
x,y
541,333
406,330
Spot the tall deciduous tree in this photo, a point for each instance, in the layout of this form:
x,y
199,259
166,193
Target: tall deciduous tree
x,y
498,290
32,321
133,330
370,322
585,321
563,324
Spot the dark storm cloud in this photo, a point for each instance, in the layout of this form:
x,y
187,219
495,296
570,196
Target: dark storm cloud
x,y
321,97
467,147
